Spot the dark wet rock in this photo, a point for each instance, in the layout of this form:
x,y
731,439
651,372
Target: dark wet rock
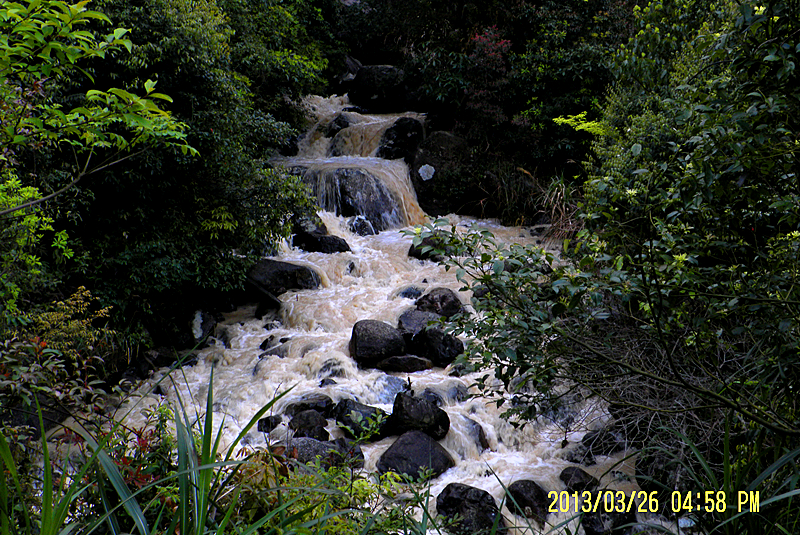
x,y
473,510
314,401
432,397
603,523
477,433
352,192
203,326
405,364
413,321
526,498
327,382
577,479
361,225
309,423
378,88
373,341
336,453
415,454
388,386
438,161
434,344
358,420
266,425
339,123
448,392
311,234
410,292
281,351
270,278
410,413
401,139
331,368
442,301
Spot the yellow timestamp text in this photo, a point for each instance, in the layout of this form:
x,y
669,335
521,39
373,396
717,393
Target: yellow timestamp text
x,y
608,501
648,502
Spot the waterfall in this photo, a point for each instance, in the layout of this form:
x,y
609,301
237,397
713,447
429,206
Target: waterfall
x,y
371,282
343,158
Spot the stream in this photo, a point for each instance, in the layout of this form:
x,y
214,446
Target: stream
x,y
371,282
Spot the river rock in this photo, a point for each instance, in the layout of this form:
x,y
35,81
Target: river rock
x,y
311,234
472,510
401,139
358,420
442,301
413,321
478,435
415,454
410,413
336,453
361,225
405,364
410,292
577,479
271,278
434,344
373,341
309,423
266,425
526,498
314,401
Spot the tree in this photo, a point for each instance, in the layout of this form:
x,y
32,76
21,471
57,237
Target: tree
x,y
42,43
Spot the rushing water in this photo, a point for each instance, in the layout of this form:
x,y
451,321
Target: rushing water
x,y
366,283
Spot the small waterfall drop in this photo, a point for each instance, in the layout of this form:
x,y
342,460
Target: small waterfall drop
x,y
370,282
342,158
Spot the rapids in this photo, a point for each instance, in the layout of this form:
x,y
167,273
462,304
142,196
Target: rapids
x,y
366,283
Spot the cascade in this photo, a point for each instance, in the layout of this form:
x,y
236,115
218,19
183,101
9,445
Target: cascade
x,y
373,281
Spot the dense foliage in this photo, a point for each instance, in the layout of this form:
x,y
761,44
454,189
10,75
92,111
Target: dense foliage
x,y
680,305
498,73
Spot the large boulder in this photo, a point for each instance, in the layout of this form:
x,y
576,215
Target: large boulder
x,y
577,479
311,234
378,88
442,301
309,423
415,454
352,192
358,420
526,498
410,413
436,345
270,278
373,341
314,401
472,511
340,452
405,364
401,139
438,163
413,321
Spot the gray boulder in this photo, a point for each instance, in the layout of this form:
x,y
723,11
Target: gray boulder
x,y
373,341
472,511
415,454
410,413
